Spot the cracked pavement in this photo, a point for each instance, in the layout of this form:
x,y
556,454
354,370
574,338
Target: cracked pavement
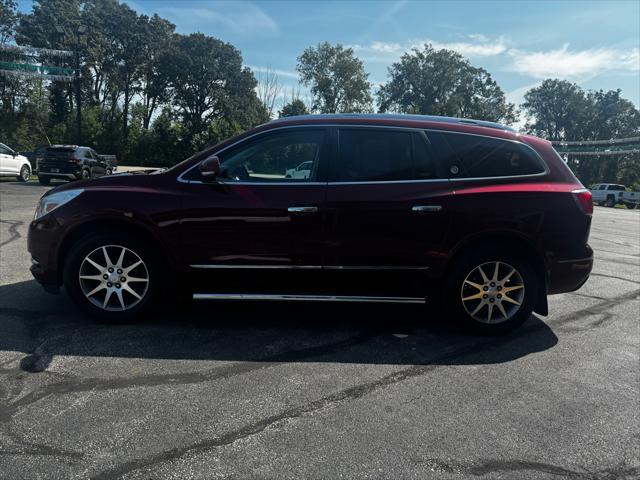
x,y
279,391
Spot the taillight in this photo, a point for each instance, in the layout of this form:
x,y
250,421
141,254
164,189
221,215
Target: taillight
x,y
74,160
583,198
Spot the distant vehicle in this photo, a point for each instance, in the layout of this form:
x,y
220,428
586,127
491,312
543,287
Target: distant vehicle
x,y
35,156
13,164
612,194
302,171
71,162
398,208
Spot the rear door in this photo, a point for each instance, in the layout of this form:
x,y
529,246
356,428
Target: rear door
x,y
388,211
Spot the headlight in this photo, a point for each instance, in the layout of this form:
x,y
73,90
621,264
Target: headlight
x,y
51,202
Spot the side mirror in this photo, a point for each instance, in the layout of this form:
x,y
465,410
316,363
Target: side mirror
x,y
209,167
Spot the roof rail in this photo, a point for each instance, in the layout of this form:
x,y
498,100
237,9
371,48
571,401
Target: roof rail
x,y
395,116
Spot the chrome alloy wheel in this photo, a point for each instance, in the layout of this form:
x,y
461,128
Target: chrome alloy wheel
x,y
492,292
113,285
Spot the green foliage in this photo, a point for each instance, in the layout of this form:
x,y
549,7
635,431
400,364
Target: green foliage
x,y
560,110
132,67
295,107
337,79
442,82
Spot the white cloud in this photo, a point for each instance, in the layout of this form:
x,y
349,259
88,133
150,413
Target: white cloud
x,y
477,45
572,64
281,73
244,18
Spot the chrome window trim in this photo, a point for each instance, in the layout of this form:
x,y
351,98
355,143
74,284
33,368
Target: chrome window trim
x,y
355,125
508,177
305,298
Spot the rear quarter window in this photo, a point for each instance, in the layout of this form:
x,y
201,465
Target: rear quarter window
x,y
476,156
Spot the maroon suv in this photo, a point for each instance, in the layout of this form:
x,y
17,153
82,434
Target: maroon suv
x,y
360,208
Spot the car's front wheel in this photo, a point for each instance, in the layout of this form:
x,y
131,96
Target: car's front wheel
x,y
25,174
111,276
492,292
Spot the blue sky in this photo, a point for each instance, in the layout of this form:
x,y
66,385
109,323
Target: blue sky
x,y
593,43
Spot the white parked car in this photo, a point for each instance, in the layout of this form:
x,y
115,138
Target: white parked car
x,y
302,171
611,194
13,164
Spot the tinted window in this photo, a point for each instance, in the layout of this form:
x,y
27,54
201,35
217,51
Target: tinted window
x,y
617,188
274,157
381,155
473,156
4,150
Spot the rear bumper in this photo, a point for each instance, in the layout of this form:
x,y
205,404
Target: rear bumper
x,y
568,275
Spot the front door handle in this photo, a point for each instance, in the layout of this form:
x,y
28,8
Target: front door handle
x,y
302,210
420,209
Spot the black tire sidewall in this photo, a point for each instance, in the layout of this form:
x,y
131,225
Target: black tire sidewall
x,y
89,243
21,175
465,264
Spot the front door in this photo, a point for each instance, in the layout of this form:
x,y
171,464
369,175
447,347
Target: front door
x,y
7,160
256,223
388,212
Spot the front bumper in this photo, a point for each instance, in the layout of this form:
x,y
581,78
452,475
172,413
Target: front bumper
x,y
42,244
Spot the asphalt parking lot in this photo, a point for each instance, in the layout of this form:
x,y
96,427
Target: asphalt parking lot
x,y
222,390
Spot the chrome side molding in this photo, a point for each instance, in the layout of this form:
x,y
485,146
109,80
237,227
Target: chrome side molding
x,y
305,298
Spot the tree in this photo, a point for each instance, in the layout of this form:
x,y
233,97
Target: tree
x,y
155,79
8,20
210,85
557,110
442,82
560,110
295,107
337,79
268,90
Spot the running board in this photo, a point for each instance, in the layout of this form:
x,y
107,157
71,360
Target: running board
x,y
305,298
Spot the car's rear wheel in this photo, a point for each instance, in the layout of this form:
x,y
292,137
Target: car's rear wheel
x,y
610,202
44,180
25,174
86,174
492,292
111,276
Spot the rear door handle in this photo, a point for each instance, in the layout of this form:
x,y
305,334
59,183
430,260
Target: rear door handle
x,y
420,209
302,210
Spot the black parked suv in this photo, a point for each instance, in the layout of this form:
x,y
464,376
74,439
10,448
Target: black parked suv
x,y
71,162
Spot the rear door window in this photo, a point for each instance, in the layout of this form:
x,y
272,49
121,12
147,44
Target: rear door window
x,y
378,155
476,156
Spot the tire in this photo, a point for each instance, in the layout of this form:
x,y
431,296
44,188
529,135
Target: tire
x,y
25,173
610,202
108,172
113,293
85,174
488,318
44,180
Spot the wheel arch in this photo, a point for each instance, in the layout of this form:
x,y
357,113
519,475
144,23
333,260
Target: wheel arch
x,y
515,241
110,225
